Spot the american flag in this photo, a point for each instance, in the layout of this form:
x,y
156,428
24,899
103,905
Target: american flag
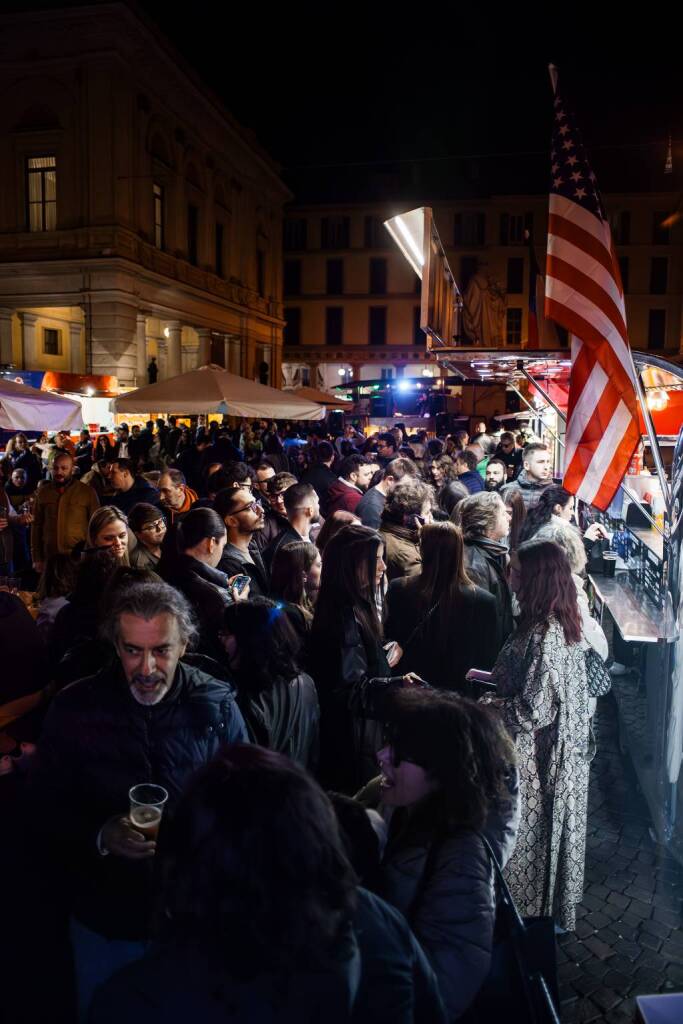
x,y
583,293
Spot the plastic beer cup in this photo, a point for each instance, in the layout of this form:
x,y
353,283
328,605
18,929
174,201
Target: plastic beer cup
x,y
146,807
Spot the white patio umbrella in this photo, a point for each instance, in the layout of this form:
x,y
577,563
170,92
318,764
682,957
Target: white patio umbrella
x,y
25,408
213,389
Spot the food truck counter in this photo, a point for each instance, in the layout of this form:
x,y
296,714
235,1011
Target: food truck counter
x,y
636,617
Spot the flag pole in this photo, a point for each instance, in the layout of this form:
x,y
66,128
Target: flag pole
x,y
552,71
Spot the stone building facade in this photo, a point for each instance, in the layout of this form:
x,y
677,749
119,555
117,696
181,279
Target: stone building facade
x,y
137,218
352,301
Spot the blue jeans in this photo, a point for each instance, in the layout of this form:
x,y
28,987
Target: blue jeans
x,y
96,958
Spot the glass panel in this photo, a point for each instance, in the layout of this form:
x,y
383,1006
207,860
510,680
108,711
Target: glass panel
x,y
35,217
50,185
35,188
50,216
41,162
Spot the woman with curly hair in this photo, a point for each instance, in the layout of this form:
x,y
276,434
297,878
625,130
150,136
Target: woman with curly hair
x,y
447,779
542,692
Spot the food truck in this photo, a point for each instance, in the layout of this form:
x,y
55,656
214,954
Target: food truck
x,y
639,598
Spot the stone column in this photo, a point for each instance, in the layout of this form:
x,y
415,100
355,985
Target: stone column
x,y
113,339
75,359
29,351
204,335
5,336
189,357
174,361
141,349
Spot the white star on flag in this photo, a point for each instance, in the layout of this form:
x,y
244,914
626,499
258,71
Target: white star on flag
x,y
580,193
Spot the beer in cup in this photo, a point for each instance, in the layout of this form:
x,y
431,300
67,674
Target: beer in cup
x,y
146,807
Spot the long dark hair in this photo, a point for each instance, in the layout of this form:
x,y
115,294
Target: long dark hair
x,y
332,525
443,575
291,563
269,646
254,872
540,514
515,503
547,588
461,744
347,583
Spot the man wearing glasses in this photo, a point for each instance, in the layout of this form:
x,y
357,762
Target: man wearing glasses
x,y
244,519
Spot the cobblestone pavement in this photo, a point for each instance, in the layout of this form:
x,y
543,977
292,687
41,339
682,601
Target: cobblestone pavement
x,y
628,939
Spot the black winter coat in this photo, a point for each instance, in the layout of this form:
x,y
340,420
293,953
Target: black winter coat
x,y
232,564
97,742
286,718
442,657
174,983
342,666
486,565
207,591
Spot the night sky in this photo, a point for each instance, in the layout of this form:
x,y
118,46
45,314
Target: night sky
x,y
363,100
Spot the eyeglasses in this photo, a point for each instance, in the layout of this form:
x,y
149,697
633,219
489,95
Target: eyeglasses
x,y
158,524
251,507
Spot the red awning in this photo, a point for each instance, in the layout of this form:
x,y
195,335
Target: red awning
x,y
78,384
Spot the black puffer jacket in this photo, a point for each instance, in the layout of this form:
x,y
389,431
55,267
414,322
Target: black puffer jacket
x,y
442,881
97,742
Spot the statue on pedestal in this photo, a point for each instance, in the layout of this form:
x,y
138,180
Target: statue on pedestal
x,y
484,310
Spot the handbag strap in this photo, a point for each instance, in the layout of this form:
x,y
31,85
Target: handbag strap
x,y
420,626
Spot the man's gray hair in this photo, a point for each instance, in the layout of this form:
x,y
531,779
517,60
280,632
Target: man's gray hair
x,y
409,497
478,514
146,601
569,539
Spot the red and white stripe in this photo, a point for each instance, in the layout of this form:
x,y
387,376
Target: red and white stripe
x,y
583,293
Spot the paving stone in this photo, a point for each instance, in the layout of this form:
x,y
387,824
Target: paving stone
x,y
586,984
583,929
606,999
662,931
577,952
672,954
626,929
647,979
569,971
599,892
598,920
674,973
617,900
640,909
649,941
631,950
599,948
668,917
642,895
618,981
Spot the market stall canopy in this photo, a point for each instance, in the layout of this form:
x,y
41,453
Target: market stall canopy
x,y
321,397
25,408
212,389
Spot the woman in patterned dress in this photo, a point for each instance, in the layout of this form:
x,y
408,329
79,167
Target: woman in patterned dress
x,y
542,692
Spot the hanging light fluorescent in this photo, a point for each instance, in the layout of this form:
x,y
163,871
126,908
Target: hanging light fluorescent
x,y
407,230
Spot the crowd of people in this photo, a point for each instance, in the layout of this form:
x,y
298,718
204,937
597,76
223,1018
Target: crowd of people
x,y
352,664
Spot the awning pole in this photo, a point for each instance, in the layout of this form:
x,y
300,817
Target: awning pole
x,y
654,444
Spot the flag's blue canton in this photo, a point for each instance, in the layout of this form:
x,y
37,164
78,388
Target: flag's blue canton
x,y
571,175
